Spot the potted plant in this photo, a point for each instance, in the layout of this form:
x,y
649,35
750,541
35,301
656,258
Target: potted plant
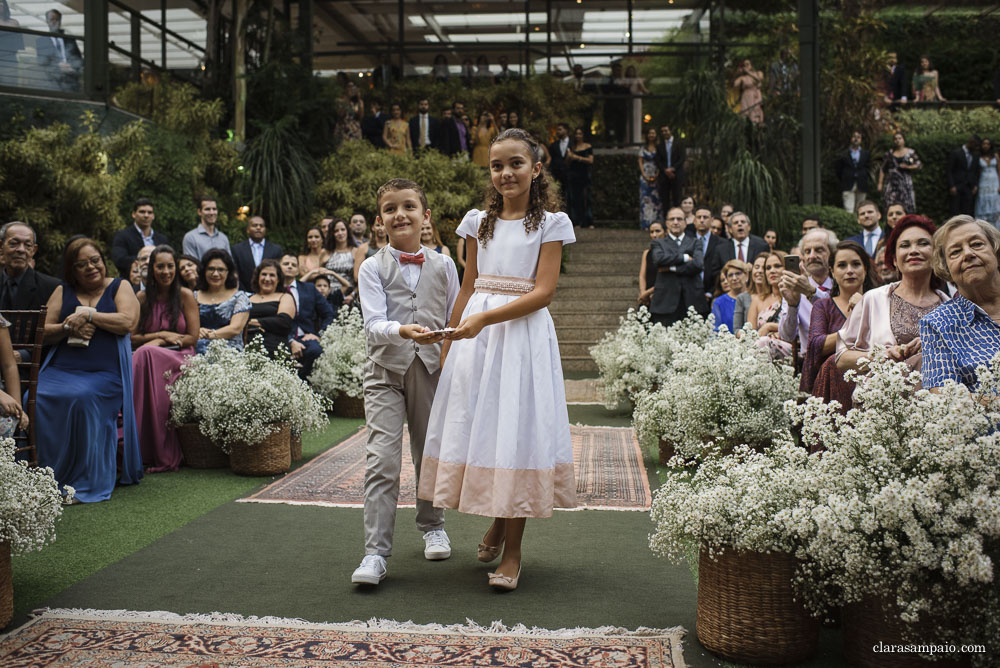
x,y
247,404
718,393
905,533
30,504
339,371
635,357
724,511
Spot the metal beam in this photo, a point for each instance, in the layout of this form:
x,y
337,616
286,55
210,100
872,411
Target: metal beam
x,y
809,71
306,33
95,45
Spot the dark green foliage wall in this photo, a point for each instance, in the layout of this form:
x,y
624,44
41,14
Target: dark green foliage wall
x,y
616,189
834,218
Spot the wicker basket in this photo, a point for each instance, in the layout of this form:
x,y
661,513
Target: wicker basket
x,y
875,621
6,587
199,451
745,609
349,407
295,440
666,451
269,457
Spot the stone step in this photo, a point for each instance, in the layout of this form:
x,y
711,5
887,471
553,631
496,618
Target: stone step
x,y
604,234
616,306
599,281
583,332
595,255
587,294
579,363
597,269
571,348
631,246
587,319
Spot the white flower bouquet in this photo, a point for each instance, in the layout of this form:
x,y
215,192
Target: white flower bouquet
x,y
340,369
30,502
636,356
722,390
241,397
906,505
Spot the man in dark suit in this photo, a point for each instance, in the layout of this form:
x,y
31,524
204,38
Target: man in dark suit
x,y
670,155
963,177
852,173
678,279
248,254
453,138
701,230
21,288
373,124
310,308
59,55
870,220
896,83
127,242
557,152
424,128
742,246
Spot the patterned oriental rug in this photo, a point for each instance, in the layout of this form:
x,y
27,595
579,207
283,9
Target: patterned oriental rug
x,y
610,474
83,638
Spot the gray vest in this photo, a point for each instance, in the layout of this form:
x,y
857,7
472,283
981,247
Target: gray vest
x,y
427,305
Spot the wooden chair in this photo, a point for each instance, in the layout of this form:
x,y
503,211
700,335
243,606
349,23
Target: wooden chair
x,y
26,331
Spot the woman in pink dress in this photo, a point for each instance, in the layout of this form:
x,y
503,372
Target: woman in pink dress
x,y
747,84
167,331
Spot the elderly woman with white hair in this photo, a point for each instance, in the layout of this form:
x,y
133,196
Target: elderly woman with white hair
x,y
963,333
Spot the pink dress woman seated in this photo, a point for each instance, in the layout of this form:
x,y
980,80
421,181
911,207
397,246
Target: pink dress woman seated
x,y
777,349
150,368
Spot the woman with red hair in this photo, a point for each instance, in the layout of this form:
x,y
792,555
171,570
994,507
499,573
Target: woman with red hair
x,y
889,316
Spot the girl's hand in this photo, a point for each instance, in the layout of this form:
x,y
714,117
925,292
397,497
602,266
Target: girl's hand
x,y
10,406
468,328
22,422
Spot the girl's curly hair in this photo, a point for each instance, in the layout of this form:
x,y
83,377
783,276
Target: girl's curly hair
x,y
542,195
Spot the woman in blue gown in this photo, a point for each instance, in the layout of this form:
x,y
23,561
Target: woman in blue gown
x,y
86,379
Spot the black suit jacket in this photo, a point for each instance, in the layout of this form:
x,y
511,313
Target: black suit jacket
x,y
371,129
126,245
48,58
677,155
897,84
680,286
714,243
449,142
557,166
313,309
243,258
849,172
433,131
961,174
725,251
33,290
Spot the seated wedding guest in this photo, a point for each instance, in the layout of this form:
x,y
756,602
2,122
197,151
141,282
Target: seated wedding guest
x,y
271,308
310,308
86,379
222,307
377,239
167,331
647,270
765,309
313,256
963,333
135,276
430,238
359,228
335,298
889,315
189,268
12,416
734,273
883,274
757,286
852,277
340,262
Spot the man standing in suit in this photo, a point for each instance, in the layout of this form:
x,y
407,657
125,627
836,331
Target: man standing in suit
x,y
311,308
702,233
670,156
59,55
869,218
678,283
373,124
248,254
21,288
852,172
896,83
424,128
742,246
127,242
454,140
557,152
963,177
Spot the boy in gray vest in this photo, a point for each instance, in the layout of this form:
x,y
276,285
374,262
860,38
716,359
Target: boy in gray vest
x,y
407,294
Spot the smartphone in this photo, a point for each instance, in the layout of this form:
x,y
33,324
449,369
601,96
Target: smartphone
x,y
792,263
441,331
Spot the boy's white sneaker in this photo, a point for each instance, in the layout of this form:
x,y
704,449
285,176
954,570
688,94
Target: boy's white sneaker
x,y
436,545
371,571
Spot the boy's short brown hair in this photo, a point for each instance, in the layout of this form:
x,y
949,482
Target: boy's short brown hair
x,y
393,185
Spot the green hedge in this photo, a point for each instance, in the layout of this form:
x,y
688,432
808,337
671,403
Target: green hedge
x,y
834,218
616,189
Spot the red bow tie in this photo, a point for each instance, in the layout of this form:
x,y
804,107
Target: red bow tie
x,y
406,258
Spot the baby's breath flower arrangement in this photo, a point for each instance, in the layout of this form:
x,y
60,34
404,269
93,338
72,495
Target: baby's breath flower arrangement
x,y
30,502
636,356
340,369
243,396
907,502
723,389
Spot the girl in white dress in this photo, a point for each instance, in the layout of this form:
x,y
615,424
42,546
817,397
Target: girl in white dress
x,y
498,441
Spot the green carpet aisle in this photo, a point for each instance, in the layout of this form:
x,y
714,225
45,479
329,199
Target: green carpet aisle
x,y
585,568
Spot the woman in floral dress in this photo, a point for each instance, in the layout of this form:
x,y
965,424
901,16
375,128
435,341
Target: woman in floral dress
x,y
650,207
894,180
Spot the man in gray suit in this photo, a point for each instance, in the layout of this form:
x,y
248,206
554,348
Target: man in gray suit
x,y
678,280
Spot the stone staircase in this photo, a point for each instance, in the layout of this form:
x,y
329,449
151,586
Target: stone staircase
x,y
600,283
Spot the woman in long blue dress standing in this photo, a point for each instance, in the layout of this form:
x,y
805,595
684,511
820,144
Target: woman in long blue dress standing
x,y
86,378
988,195
650,208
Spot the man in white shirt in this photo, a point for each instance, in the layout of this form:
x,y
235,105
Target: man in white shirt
x,y
249,253
814,283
